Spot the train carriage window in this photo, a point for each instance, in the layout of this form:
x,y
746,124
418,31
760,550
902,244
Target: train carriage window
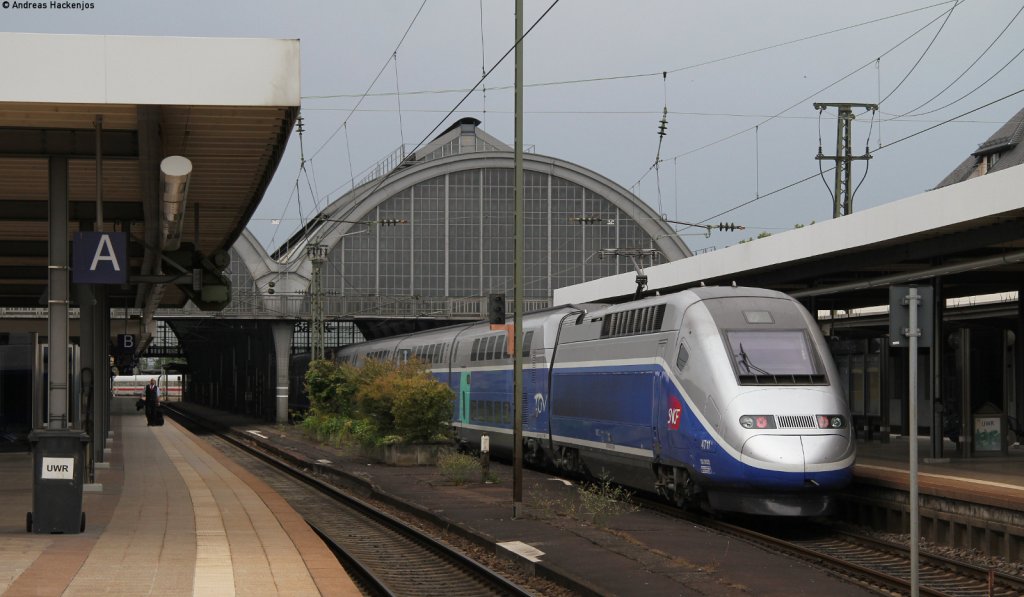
x,y
683,357
501,347
475,355
491,352
506,413
527,341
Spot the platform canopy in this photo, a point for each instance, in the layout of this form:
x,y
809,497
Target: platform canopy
x,y
227,105
970,234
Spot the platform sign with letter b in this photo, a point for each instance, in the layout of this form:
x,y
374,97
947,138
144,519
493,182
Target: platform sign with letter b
x,y
126,342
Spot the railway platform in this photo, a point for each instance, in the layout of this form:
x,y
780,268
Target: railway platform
x,y
637,553
170,516
974,503
990,480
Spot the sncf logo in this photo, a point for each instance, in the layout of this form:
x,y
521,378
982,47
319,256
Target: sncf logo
x,y
675,412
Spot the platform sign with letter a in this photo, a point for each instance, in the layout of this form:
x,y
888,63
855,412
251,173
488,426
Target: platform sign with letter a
x,y
99,258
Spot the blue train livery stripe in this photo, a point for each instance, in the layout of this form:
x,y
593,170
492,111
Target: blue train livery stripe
x,y
611,408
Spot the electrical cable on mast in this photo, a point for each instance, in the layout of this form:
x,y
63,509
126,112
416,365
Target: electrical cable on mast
x,y
317,254
842,204
662,131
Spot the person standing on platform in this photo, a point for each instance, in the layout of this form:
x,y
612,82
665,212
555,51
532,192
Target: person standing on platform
x,y
152,402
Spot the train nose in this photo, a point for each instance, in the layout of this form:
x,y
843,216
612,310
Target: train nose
x,y
797,454
775,452
825,450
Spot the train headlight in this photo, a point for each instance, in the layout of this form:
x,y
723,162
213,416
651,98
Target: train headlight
x,y
757,422
831,422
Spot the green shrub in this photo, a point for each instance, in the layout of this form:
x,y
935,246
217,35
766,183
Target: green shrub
x,y
330,387
603,499
379,403
422,408
459,468
365,432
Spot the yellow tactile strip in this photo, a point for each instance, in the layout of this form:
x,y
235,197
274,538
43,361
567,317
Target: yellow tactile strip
x,y
214,573
329,576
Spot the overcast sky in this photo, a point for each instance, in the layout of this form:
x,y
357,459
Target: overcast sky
x,y
741,79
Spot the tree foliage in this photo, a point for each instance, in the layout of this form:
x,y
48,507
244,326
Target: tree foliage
x,y
381,401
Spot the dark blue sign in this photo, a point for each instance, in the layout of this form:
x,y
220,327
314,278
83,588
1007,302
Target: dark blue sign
x,y
99,258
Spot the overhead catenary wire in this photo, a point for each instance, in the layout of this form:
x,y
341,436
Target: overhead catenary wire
x,y
344,125
961,75
923,54
879,148
374,82
398,98
971,92
803,100
380,181
649,74
483,66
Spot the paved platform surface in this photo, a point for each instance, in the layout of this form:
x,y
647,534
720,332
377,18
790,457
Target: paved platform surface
x,y
174,517
990,480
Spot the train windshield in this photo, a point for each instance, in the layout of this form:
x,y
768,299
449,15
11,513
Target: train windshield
x,y
774,357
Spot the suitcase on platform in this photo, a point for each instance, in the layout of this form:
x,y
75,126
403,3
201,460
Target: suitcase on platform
x,y
158,416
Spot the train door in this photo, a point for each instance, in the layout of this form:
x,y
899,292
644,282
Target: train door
x,y
671,434
464,395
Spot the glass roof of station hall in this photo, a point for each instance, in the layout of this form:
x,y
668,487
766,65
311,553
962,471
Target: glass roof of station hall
x,y
461,141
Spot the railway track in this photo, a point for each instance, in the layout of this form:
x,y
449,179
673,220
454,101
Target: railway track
x,y
384,555
872,563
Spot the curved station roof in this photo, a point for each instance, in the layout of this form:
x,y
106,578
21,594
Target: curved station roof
x,y
429,235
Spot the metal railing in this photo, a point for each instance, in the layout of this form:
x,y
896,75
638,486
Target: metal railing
x,y
254,305
297,307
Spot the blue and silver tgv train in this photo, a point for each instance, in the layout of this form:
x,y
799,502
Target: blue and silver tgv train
x,y
721,397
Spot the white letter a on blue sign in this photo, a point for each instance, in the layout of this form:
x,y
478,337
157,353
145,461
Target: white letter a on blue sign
x,y
105,252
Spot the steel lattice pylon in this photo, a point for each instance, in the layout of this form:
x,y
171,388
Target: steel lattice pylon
x,y
317,254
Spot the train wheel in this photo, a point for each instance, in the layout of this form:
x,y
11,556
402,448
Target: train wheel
x,y
684,489
570,462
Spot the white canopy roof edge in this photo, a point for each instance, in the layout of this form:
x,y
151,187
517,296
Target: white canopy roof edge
x,y
109,69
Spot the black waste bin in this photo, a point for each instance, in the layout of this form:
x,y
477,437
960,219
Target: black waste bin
x,y
58,465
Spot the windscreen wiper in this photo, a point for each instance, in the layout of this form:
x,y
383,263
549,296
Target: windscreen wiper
x,y
751,368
